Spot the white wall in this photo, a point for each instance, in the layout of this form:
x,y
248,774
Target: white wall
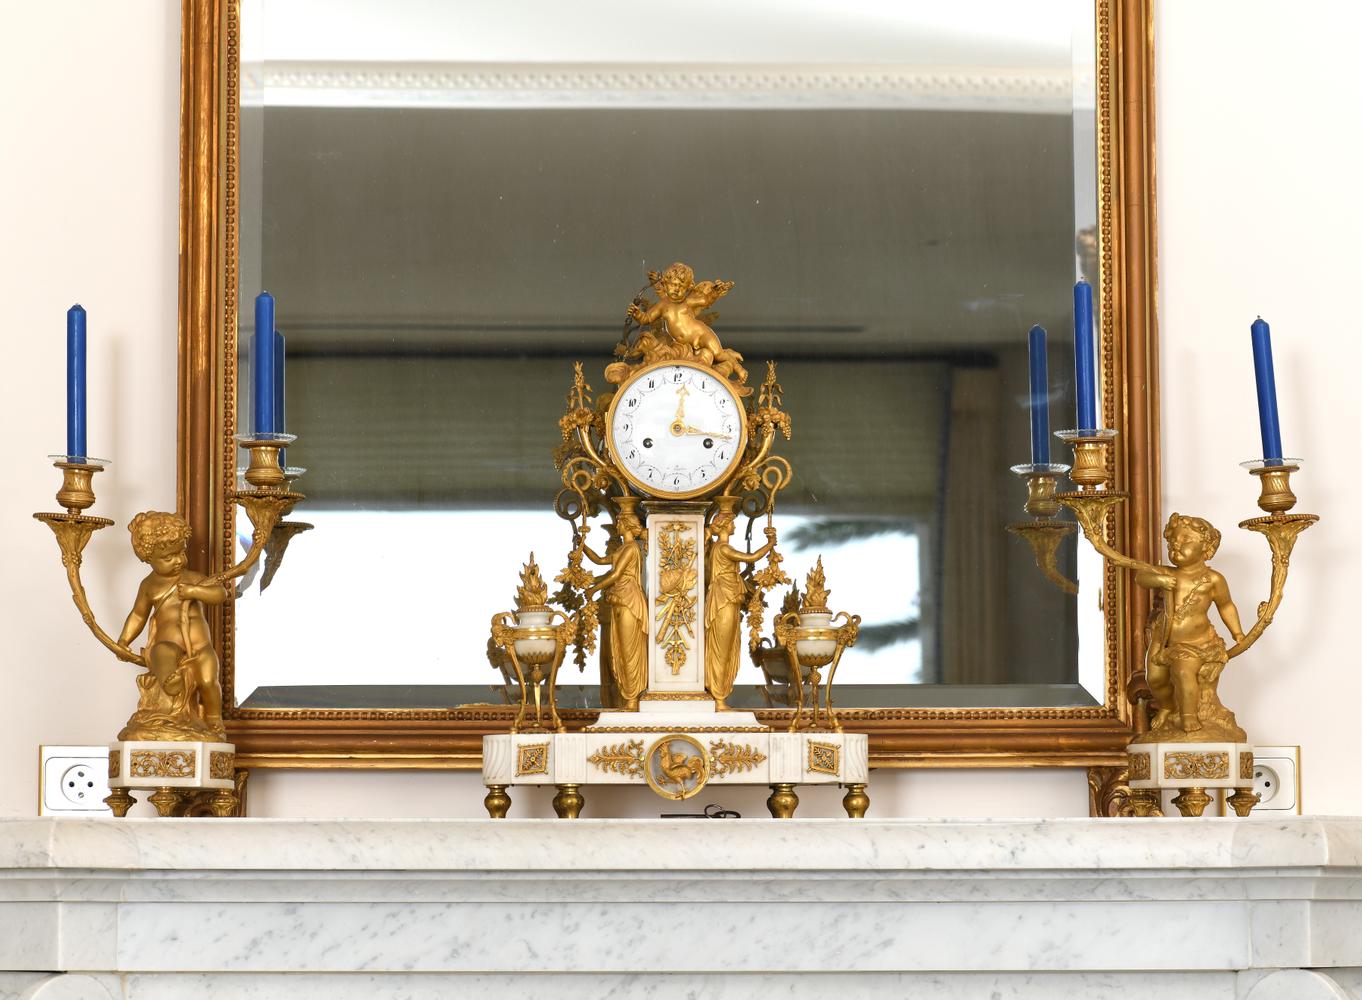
x,y
88,189
1256,166
1259,156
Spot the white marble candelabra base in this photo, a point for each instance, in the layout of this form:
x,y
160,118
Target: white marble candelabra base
x,y
181,775
1182,909
1191,768
711,748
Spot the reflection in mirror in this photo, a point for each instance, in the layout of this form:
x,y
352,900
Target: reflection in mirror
x,y
449,214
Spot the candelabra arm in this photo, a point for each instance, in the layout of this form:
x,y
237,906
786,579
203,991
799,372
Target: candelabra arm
x,y
1044,538
73,533
266,508
1281,532
1090,509
277,545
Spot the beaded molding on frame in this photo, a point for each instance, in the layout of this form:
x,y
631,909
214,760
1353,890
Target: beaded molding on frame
x,y
231,293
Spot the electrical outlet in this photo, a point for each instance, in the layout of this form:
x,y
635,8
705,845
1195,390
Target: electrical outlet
x,y
1277,779
73,781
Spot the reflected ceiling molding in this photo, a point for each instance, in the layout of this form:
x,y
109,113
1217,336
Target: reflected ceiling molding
x,y
624,85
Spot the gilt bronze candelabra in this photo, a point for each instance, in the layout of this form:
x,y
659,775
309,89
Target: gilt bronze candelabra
x,y
1192,742
175,742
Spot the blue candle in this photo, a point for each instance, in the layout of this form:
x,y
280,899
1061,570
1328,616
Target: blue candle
x,y
1085,368
1040,399
262,364
1267,392
75,381
279,424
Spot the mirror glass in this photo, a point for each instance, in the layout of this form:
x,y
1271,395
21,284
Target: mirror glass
x,y
451,204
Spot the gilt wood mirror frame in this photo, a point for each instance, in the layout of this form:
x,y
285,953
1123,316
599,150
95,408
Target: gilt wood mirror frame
x,y
1078,736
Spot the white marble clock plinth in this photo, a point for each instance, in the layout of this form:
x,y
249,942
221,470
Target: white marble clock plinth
x,y
675,748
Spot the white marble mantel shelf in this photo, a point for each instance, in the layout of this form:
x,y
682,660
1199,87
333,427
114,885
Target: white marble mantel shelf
x,y
159,909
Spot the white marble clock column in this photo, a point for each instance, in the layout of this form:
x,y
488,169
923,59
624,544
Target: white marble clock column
x,y
676,648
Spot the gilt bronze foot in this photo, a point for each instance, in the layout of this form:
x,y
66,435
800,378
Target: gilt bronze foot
x,y
783,801
497,801
568,802
856,801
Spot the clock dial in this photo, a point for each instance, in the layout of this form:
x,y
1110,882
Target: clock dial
x,y
677,429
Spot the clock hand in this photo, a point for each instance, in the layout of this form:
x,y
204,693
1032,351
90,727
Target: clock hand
x,y
687,429
679,422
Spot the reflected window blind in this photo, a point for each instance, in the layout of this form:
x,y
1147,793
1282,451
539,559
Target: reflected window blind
x,y
454,432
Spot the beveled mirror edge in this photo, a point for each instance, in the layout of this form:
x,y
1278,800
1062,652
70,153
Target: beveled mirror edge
x,y
964,737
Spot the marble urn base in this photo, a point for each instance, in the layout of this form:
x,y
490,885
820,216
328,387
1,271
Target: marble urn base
x,y
1103,909
1190,768
184,777
675,748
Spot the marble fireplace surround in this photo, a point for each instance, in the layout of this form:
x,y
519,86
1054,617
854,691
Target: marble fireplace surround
x,y
1214,908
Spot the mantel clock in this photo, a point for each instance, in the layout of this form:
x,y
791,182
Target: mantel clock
x,y
673,438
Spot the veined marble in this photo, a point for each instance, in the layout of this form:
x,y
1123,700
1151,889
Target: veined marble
x,y
425,908
619,750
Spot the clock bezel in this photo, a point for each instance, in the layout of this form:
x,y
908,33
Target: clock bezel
x,y
720,481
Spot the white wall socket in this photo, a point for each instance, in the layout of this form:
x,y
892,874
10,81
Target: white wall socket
x,y
1277,779
73,781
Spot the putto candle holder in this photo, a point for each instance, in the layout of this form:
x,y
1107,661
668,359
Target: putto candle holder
x,y
175,743
1192,743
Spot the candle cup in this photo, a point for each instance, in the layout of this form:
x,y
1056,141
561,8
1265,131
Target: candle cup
x,y
264,471
1091,449
1274,477
77,492
1042,482
292,473
1043,533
